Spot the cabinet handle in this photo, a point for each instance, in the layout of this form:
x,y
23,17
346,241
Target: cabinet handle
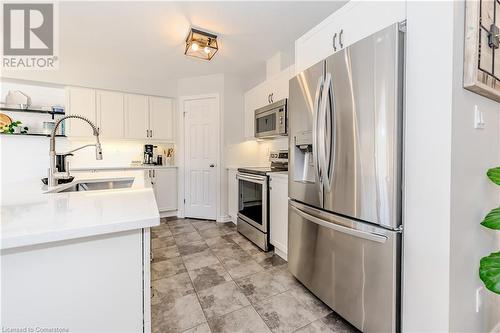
x,y
335,41
147,134
269,98
340,38
272,97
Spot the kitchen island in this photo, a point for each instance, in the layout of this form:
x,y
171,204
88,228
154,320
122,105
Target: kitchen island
x,y
77,260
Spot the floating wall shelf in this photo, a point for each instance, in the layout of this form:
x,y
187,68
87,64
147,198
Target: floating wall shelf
x,y
33,134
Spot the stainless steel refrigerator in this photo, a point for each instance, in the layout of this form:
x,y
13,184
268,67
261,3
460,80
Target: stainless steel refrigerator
x,y
345,171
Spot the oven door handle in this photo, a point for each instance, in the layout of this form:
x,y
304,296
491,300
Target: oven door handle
x,y
251,178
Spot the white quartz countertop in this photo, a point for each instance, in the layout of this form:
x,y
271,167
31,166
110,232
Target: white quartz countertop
x,y
280,174
124,167
31,216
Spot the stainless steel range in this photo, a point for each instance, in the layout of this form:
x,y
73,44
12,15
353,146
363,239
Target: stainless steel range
x,y
253,199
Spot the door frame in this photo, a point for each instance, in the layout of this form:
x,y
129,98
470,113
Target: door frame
x,y
182,156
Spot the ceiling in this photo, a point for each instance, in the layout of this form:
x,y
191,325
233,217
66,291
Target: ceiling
x,y
139,46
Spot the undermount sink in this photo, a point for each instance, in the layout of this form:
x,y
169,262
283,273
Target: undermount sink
x,y
96,185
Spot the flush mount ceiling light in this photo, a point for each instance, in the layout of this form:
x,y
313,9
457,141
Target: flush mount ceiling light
x,y
201,44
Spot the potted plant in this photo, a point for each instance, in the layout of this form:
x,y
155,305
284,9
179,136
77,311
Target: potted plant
x,y
14,127
489,266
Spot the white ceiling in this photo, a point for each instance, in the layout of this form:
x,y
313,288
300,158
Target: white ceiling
x,y
140,45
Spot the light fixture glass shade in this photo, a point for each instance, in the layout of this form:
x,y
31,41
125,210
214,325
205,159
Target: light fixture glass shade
x,y
200,44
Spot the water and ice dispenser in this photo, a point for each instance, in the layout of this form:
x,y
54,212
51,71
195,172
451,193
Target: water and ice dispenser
x,y
303,157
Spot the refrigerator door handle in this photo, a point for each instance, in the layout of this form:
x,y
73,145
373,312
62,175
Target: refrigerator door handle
x,y
328,132
353,232
317,170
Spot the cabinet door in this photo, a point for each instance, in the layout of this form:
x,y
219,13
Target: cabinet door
x,y
81,101
280,85
279,213
250,106
232,193
165,183
356,20
374,16
136,116
161,118
110,114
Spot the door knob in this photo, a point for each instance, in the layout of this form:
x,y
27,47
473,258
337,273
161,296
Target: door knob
x,y
212,165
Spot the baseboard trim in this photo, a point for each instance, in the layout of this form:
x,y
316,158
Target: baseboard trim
x,y
281,253
168,213
224,219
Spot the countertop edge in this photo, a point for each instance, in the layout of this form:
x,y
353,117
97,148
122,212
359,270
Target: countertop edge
x,y
71,234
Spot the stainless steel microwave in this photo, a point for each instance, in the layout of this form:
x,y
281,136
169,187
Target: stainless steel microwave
x,y
271,120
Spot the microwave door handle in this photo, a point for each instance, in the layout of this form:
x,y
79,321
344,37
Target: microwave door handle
x,y
317,171
340,228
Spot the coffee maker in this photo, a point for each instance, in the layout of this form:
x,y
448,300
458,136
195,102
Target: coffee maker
x,y
148,154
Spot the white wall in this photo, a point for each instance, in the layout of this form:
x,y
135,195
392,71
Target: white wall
x,y
472,197
24,157
447,192
426,248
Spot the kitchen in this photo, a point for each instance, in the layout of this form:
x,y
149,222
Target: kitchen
x,y
206,185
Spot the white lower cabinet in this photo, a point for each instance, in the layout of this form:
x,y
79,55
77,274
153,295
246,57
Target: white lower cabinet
x,y
92,284
165,187
278,223
232,192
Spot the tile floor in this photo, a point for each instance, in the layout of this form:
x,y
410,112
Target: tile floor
x,y
208,278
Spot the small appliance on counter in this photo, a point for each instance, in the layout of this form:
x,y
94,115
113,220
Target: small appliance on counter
x,y
149,154
253,202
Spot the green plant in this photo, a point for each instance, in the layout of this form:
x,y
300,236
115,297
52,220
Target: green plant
x,y
489,267
9,129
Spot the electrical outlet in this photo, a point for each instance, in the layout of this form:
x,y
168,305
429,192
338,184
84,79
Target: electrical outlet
x,y
479,122
479,298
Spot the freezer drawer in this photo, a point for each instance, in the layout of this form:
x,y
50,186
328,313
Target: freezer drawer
x,y
351,266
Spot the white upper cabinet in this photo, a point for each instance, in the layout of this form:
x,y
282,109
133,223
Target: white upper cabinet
x,y
161,118
351,23
121,116
251,100
110,114
136,116
81,101
278,85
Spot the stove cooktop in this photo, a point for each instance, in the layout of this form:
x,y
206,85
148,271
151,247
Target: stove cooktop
x,y
261,170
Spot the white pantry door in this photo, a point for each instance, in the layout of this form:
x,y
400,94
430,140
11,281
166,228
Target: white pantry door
x,y
201,130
